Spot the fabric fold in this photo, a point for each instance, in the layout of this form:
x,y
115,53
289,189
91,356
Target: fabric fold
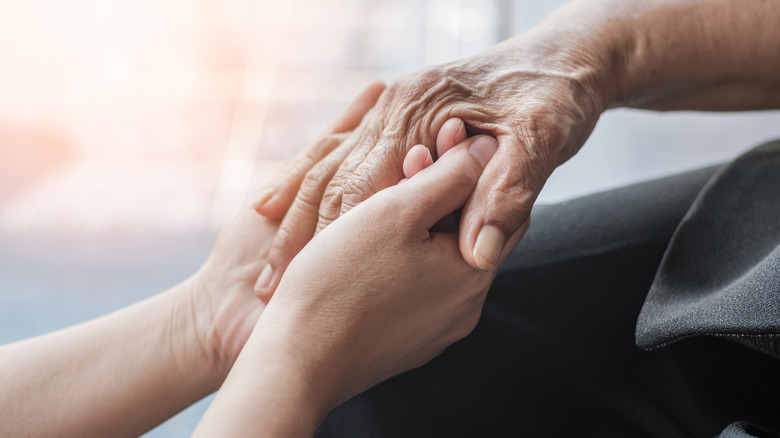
x,y
720,275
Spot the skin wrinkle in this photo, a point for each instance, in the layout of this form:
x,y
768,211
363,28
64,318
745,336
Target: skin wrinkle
x,y
439,89
293,234
338,190
296,170
333,191
440,95
314,184
541,93
434,117
329,156
360,186
352,117
332,201
370,184
211,342
285,234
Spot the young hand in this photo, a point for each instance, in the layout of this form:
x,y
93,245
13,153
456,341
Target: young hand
x,y
374,294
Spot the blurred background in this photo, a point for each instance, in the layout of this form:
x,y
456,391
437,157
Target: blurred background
x,y
130,131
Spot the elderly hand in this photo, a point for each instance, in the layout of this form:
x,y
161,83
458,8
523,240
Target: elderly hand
x,y
379,292
373,295
538,95
222,299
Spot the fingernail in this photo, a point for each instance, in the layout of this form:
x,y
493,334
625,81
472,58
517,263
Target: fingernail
x,y
263,199
487,249
264,280
483,149
428,158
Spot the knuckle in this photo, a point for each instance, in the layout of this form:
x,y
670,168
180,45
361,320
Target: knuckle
x,y
315,181
421,100
306,204
358,188
321,225
330,206
285,245
429,77
511,204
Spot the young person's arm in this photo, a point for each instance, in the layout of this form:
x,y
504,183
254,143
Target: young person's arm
x,y
124,373
119,375
373,295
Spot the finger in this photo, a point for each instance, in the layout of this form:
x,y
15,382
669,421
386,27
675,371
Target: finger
x,y
445,186
418,158
352,115
298,226
384,159
275,200
452,132
500,206
379,167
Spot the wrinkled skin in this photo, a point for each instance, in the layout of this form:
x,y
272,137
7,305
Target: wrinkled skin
x,y
540,102
375,294
223,303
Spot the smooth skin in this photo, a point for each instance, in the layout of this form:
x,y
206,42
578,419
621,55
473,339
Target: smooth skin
x,y
540,94
124,373
374,294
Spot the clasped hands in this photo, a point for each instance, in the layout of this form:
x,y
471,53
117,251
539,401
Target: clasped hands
x,y
363,277
381,290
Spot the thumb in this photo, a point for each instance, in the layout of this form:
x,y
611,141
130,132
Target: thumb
x,y
497,214
444,186
277,198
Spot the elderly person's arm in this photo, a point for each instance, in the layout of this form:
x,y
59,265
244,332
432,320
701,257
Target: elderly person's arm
x,y
540,94
373,295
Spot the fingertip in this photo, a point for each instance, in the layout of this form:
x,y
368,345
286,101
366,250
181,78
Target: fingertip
x,y
488,247
264,286
452,132
483,149
376,87
428,158
417,159
448,184
272,206
488,220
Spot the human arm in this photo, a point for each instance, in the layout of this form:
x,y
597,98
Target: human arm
x,y
541,93
124,373
373,295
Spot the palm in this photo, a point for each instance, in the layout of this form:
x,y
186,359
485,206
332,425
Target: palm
x,y
228,279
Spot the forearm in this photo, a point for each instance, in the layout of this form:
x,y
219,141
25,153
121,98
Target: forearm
x,y
267,393
692,54
118,375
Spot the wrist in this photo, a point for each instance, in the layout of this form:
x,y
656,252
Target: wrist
x,y
596,39
310,367
271,388
188,333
